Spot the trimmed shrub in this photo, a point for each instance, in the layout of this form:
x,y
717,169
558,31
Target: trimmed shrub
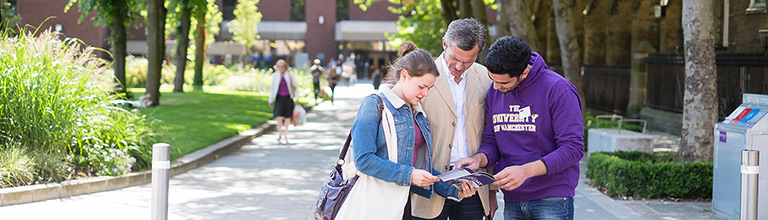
x,y
649,175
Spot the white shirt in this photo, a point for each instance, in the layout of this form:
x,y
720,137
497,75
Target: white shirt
x,y
459,148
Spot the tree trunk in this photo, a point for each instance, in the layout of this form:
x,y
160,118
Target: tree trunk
x,y
465,9
449,11
478,12
181,49
155,49
553,46
503,26
119,46
700,102
520,23
569,46
200,47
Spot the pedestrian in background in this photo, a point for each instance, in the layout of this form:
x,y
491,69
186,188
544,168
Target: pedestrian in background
x,y
282,92
317,72
333,80
413,74
376,78
533,133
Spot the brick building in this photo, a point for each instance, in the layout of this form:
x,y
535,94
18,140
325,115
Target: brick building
x,y
297,31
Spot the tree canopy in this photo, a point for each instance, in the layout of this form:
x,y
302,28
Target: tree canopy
x,y
422,23
106,10
247,17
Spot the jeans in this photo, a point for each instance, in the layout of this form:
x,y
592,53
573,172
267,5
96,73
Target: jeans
x,y
546,208
470,208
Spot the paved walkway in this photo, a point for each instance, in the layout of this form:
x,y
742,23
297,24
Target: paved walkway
x,y
270,180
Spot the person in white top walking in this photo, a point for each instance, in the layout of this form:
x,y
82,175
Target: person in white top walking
x,y
282,92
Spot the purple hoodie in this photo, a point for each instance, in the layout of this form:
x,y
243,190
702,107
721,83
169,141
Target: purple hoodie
x,y
539,119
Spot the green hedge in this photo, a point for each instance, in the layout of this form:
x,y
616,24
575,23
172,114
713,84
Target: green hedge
x,y
649,175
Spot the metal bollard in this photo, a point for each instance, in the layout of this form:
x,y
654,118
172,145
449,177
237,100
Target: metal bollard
x,y
750,161
161,165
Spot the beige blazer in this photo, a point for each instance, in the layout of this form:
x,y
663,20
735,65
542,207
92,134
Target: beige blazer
x,y
441,113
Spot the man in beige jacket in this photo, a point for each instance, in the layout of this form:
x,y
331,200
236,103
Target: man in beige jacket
x,y
455,109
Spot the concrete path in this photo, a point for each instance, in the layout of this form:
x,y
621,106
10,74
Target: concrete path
x,y
270,180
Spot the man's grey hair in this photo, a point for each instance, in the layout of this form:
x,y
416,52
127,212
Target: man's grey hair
x,y
466,33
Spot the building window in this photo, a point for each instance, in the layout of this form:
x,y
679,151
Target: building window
x,y
228,9
342,10
756,6
297,10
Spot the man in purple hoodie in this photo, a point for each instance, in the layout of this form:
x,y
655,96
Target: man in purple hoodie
x,y
533,133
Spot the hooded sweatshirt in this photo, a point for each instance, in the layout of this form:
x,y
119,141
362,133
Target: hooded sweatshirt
x,y
539,119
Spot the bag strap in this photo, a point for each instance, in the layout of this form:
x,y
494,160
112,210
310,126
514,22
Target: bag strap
x,y
344,149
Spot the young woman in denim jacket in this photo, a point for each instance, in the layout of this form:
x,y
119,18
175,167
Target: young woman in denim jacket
x,y
414,73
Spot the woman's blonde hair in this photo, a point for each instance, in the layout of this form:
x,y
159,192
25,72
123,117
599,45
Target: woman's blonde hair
x,y
281,62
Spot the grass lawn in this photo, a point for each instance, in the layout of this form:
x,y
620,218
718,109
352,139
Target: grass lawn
x,y
194,120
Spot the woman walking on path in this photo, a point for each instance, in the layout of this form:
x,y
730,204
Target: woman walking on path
x,y
402,122
333,80
282,92
377,76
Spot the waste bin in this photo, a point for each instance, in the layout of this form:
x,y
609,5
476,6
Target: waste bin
x,y
745,128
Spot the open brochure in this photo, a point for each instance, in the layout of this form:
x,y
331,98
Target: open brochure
x,y
456,176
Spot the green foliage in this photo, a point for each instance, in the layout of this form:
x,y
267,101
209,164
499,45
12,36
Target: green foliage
x,y
105,160
136,71
234,78
106,10
173,16
194,120
649,175
253,80
212,20
55,99
16,168
51,167
247,16
8,18
422,23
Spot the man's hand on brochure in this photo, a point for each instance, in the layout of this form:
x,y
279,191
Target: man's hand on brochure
x,y
512,177
467,190
422,178
467,162
474,162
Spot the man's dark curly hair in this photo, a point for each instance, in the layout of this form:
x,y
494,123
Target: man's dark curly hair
x,y
508,55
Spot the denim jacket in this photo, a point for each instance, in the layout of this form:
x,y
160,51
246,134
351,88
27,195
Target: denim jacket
x,y
370,148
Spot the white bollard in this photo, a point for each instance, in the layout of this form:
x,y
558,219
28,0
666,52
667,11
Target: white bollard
x,y
750,162
161,167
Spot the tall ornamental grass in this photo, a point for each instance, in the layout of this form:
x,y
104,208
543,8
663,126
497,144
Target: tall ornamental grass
x,y
55,105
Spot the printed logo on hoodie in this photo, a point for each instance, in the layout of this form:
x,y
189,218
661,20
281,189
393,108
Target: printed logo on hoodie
x,y
520,119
